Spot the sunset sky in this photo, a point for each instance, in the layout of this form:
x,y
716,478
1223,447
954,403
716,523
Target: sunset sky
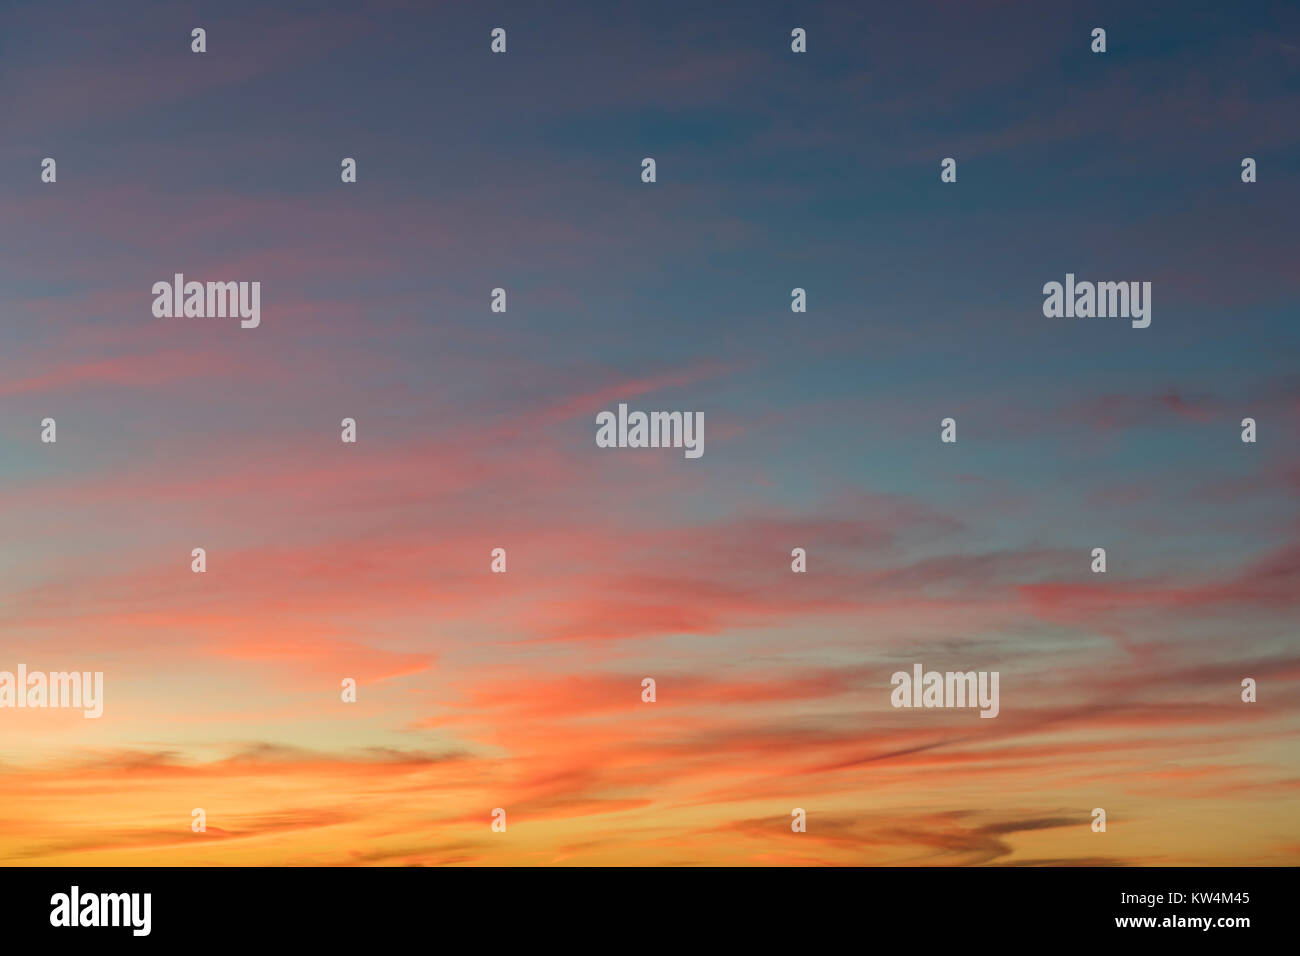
x,y
476,430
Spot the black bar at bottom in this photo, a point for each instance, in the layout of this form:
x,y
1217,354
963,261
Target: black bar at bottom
x,y
613,908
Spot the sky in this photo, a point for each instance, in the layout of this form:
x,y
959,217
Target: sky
x,y
475,430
